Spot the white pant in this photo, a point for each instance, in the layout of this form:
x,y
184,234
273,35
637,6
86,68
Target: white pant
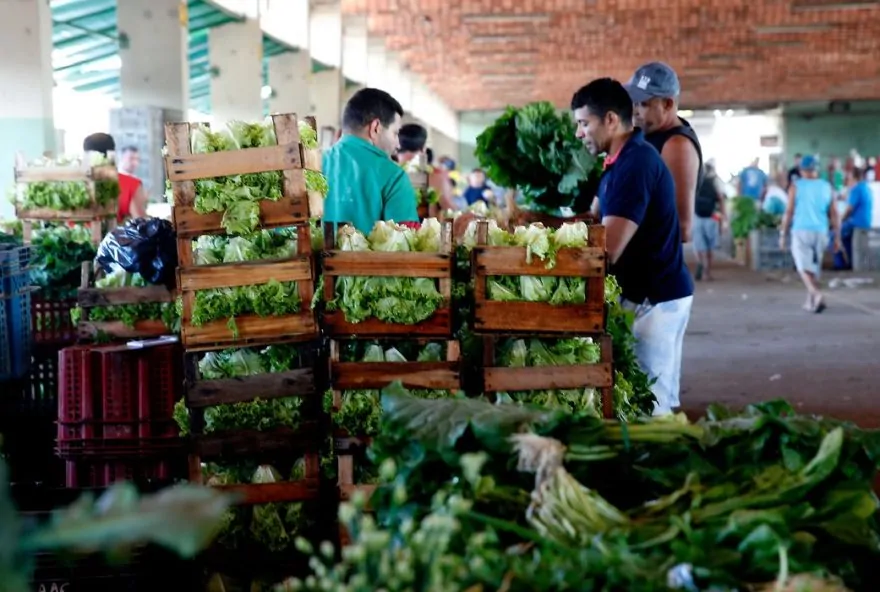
x,y
659,331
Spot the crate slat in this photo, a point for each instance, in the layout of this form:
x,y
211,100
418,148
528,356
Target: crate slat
x,y
536,317
264,493
208,393
273,214
414,265
91,297
438,325
241,443
230,275
65,173
252,330
377,375
587,262
191,167
82,215
119,330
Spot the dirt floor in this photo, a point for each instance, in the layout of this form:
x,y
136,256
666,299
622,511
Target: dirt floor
x,y
748,340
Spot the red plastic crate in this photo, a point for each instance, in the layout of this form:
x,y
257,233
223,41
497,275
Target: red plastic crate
x,y
51,322
116,401
84,473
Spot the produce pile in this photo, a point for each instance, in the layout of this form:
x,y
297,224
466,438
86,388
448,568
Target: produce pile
x,y
747,216
534,148
476,496
68,196
270,299
259,414
238,196
130,314
57,253
404,300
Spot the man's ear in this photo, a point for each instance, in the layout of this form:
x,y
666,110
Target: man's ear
x,y
669,103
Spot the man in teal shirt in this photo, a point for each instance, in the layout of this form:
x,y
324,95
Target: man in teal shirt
x,y
365,185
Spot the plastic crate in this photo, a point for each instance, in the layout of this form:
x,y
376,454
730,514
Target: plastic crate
x,y
118,402
51,322
16,335
88,473
13,264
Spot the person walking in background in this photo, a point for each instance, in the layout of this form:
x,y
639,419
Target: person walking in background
x,y
413,140
753,182
794,173
776,197
132,197
857,214
654,89
643,235
478,189
810,208
366,186
710,199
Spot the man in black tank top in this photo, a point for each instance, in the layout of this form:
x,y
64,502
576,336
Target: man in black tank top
x,y
654,89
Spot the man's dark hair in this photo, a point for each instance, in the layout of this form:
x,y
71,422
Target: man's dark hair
x,y
603,96
478,170
129,148
412,137
99,142
369,104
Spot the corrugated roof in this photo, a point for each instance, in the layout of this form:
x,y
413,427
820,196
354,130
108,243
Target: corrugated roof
x,y
86,46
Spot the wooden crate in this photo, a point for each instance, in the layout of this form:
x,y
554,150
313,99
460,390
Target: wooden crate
x,y
439,266
88,298
252,444
99,219
252,329
492,316
599,376
183,167
378,375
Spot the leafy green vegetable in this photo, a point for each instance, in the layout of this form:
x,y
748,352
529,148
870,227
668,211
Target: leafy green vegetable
x,y
390,299
748,216
56,261
534,148
130,314
68,196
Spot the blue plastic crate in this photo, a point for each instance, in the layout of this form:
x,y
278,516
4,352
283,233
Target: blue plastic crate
x,y
14,274
16,335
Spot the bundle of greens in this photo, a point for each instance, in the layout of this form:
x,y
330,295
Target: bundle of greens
x,y
483,497
534,148
130,314
748,216
68,196
273,526
57,254
239,196
403,300
258,414
519,353
270,299
540,243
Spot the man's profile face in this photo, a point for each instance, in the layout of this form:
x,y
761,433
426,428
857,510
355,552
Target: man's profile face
x,y
592,131
385,138
649,115
130,161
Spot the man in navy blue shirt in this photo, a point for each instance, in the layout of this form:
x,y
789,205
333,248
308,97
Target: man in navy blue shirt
x,y
643,237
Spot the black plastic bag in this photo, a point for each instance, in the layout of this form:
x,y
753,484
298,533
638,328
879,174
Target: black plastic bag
x,y
147,246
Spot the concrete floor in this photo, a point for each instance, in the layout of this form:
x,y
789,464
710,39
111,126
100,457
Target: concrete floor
x,y
748,340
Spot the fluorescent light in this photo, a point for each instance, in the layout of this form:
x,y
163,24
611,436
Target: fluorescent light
x,y
266,92
823,6
501,19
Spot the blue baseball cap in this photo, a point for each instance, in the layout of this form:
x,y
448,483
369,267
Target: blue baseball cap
x,y
653,80
809,162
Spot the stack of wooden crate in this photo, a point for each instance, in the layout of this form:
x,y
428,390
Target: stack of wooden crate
x,y
351,375
495,319
280,446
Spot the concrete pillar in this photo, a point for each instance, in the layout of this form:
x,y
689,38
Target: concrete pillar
x,y
325,34
236,51
326,90
155,68
376,64
348,92
26,116
289,75
286,20
398,81
354,48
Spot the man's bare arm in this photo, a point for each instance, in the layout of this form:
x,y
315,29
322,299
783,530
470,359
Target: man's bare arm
x,y
138,206
681,157
618,232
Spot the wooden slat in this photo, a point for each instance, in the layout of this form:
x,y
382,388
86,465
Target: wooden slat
x,y
264,493
273,214
376,263
84,215
252,329
607,392
312,159
377,375
538,317
90,297
348,490
230,275
585,262
547,377
242,443
65,173
294,383
189,167
438,325
119,330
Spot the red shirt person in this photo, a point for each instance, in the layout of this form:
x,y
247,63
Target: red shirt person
x,y
132,197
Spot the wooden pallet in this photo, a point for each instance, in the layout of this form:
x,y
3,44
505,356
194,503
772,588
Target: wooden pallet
x,y
99,219
439,265
201,394
88,298
183,167
252,329
599,376
492,316
378,375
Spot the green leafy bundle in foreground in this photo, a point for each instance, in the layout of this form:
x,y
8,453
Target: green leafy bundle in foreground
x,y
56,260
130,314
483,497
404,300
